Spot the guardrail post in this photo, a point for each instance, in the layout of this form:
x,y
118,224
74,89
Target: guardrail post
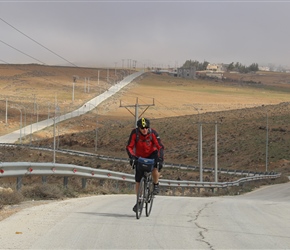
x,y
19,183
84,183
65,181
43,179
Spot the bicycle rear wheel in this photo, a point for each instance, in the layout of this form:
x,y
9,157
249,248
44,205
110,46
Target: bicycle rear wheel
x,y
149,200
140,198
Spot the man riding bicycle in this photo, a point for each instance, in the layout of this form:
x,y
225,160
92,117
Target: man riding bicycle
x,y
145,142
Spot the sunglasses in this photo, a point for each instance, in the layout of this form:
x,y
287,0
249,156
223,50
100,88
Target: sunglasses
x,y
144,128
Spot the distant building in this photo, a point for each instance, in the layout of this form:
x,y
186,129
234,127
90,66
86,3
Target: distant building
x,y
215,74
263,68
214,67
214,71
189,73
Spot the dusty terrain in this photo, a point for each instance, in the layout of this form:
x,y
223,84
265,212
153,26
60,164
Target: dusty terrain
x,y
239,104
242,106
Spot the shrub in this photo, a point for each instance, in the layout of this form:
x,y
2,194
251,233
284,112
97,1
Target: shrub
x,y
42,191
10,198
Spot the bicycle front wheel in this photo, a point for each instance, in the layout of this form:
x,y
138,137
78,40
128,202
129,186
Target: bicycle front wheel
x,y
149,200
140,198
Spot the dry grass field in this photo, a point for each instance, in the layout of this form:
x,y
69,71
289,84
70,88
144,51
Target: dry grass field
x,y
179,104
242,106
37,89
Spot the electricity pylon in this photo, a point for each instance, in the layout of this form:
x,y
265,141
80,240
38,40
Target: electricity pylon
x,y
136,106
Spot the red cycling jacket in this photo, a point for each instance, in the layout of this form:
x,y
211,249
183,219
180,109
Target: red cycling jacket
x,y
140,145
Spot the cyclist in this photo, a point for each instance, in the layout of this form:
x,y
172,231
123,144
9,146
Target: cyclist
x,y
145,142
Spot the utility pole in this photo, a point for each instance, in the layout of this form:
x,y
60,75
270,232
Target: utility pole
x,y
98,77
73,89
200,154
88,84
267,140
6,113
136,106
108,75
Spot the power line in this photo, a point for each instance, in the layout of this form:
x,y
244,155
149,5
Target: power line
x,y
100,88
85,71
37,42
4,61
22,52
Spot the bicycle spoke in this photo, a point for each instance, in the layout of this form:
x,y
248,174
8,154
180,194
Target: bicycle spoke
x,y
150,199
140,198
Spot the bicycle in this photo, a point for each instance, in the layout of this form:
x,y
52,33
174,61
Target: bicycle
x,y
145,192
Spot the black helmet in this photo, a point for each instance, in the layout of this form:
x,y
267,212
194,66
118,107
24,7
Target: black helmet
x,y
143,123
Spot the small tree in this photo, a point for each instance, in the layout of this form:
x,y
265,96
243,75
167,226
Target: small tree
x,y
196,64
230,67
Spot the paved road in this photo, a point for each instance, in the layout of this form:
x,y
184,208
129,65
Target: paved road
x,y
14,136
258,220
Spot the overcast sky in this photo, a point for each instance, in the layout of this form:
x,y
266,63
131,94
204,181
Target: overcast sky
x,y
153,33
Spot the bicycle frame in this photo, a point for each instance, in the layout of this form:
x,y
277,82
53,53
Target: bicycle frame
x,y
145,195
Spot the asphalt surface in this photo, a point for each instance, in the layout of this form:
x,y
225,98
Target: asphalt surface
x,y
258,220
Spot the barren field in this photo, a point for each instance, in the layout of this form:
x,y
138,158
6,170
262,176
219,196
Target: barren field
x,y
249,111
179,97
242,106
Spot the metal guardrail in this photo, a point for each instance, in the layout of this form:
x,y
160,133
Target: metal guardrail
x,y
119,159
15,169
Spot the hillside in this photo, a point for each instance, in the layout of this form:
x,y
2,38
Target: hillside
x,y
248,114
239,107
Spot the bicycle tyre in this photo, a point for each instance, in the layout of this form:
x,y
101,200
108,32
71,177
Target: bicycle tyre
x,y
140,198
149,200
